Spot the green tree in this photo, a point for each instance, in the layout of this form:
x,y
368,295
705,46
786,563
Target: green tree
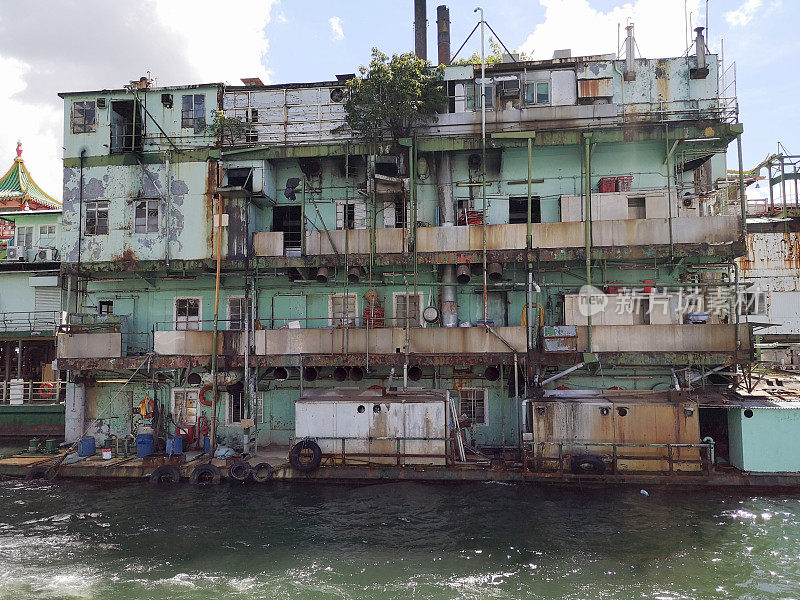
x,y
393,96
493,57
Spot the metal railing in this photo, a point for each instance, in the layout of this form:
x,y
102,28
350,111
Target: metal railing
x,y
29,321
535,460
32,392
398,455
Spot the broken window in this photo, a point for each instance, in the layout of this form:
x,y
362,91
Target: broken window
x,y
472,92
25,237
96,218
471,405
193,112
126,126
240,177
407,308
84,117
145,216
287,219
518,209
184,406
236,407
250,133
187,314
753,303
236,313
343,310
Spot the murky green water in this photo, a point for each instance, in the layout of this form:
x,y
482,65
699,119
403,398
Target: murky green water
x,y
394,540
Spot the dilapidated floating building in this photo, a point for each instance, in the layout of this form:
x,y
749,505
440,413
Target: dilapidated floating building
x,y
552,291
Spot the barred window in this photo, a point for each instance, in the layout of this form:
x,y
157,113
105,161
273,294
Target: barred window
x,y
343,310
471,404
236,313
407,306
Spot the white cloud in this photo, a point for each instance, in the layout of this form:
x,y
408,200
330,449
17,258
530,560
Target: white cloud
x,y
99,44
659,26
337,33
744,14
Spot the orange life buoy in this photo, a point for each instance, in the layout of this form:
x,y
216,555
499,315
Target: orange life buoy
x,y
47,389
203,391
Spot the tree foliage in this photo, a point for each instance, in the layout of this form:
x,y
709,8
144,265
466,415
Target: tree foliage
x,y
493,57
394,95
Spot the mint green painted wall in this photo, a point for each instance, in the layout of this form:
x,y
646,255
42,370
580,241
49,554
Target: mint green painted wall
x,y
766,442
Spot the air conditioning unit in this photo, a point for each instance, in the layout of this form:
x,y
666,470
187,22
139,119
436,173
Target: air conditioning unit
x,y
509,88
46,255
15,253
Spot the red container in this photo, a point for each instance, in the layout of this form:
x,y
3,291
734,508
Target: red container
x,y
373,316
614,287
648,286
470,217
607,184
624,183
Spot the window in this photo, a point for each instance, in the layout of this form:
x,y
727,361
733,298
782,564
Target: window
x,y
343,311
126,127
518,209
237,313
184,406
471,405
187,314
145,216
351,215
537,92
193,112
636,208
105,307
25,237
84,117
473,94
236,407
96,218
753,303
407,306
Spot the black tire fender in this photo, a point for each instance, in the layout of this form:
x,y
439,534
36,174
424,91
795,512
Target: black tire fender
x,y
240,470
301,460
207,474
587,464
166,475
262,472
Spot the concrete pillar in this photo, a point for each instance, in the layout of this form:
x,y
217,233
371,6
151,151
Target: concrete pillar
x,y
75,412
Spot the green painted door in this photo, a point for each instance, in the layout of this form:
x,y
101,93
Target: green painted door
x,y
289,307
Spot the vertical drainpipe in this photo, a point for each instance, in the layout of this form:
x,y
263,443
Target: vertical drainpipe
x,y
742,199
529,243
215,337
588,235
669,191
483,163
444,187
168,219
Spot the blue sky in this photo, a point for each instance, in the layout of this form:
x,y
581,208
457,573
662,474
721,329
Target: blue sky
x,y
190,41
302,46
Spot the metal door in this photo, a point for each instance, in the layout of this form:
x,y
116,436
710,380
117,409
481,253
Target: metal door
x,y
289,307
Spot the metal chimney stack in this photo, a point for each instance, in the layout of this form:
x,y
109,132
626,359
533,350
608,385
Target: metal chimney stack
x,y
443,34
630,54
420,29
700,45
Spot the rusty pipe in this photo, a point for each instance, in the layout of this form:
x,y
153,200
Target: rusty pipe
x,y
463,274
322,275
495,271
340,374
310,373
443,34
414,373
356,373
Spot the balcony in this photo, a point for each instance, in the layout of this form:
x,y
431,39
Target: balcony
x,y
622,234
36,322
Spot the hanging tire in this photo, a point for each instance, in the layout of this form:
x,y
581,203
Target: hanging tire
x,y
262,472
587,464
240,471
205,475
305,456
36,473
166,475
